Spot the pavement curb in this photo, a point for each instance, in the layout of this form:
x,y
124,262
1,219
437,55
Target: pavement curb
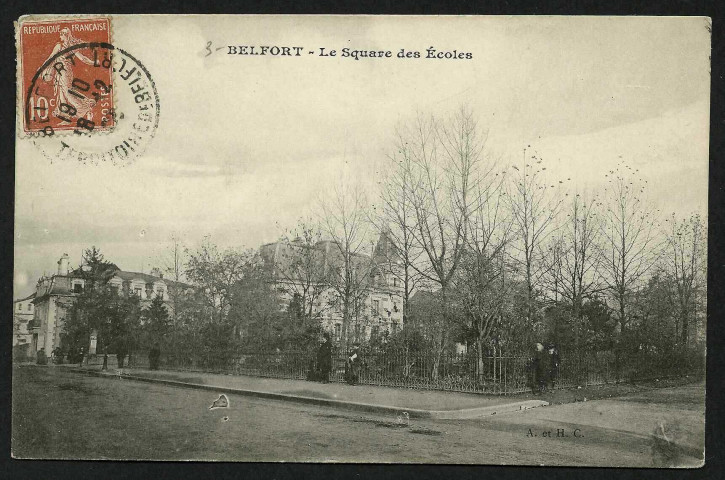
x,y
466,413
486,411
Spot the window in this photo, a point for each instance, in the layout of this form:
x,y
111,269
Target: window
x,y
338,331
137,291
160,293
375,308
395,281
30,306
20,306
114,289
77,288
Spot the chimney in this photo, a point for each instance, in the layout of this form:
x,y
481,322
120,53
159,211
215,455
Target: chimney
x,y
63,265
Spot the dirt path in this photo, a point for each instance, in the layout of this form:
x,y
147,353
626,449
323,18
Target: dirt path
x,y
63,415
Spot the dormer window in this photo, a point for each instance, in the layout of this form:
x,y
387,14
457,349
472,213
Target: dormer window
x,y
77,287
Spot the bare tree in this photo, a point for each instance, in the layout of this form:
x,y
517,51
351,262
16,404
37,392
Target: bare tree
x,y
575,259
300,270
216,272
483,269
172,262
174,258
535,206
396,218
631,246
347,263
444,160
685,260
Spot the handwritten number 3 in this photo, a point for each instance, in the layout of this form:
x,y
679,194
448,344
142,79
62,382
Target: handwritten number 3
x,y
209,51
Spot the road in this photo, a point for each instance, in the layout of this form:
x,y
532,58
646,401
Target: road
x,y
60,414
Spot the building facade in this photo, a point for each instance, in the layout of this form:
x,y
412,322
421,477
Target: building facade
x,y
55,294
23,312
307,272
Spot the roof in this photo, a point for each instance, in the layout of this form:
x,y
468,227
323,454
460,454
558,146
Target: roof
x,y
385,250
128,276
60,284
422,296
32,295
284,256
56,285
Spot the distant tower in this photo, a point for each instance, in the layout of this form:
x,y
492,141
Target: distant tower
x,y
385,251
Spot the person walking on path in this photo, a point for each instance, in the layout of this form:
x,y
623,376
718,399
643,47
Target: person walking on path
x,y
324,359
154,355
352,365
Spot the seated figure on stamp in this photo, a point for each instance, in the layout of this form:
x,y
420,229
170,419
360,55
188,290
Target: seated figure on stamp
x,y
61,72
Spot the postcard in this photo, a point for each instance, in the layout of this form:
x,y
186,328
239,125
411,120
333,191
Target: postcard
x,y
379,239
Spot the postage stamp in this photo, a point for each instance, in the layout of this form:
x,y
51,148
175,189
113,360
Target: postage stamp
x,y
75,84
66,78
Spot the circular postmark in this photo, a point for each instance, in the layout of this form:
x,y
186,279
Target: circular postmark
x,y
107,111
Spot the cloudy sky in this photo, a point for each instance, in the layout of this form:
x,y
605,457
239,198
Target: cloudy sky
x,y
246,144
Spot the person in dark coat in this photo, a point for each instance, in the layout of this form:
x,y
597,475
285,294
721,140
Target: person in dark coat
x,y
554,360
540,368
324,359
41,358
154,355
352,365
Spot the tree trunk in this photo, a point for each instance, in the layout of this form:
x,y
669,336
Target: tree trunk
x,y
441,334
684,334
479,347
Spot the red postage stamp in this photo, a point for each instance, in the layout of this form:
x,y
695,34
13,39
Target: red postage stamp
x,y
66,75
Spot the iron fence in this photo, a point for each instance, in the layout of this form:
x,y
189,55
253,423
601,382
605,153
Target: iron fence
x,y
465,372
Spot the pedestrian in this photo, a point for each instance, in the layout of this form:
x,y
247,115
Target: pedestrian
x,y
324,359
57,355
352,365
540,367
554,360
154,355
42,359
